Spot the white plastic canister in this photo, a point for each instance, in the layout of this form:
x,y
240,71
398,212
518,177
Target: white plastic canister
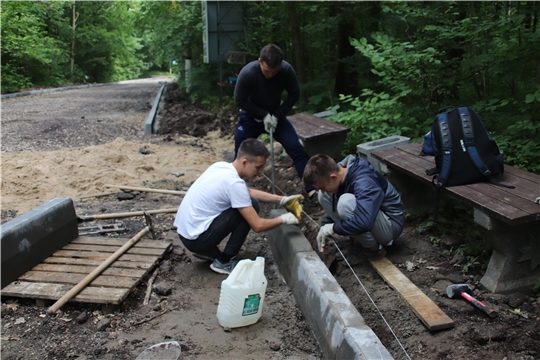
x,y
242,294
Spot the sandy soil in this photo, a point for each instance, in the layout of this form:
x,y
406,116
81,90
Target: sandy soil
x,y
75,143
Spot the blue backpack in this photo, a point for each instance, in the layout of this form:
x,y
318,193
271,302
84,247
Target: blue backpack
x,y
465,153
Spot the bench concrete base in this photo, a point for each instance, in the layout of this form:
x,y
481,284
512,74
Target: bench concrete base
x,y
337,324
366,149
515,262
30,238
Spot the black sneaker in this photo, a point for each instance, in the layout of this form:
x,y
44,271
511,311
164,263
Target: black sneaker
x,y
204,257
367,253
224,269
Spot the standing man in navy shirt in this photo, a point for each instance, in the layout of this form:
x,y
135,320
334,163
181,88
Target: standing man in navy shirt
x,y
258,95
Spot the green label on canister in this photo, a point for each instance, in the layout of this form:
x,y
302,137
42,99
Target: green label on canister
x,y
251,304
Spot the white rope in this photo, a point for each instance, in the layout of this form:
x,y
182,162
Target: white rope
x,y
357,278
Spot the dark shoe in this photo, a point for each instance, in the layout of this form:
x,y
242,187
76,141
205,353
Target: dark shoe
x,y
367,253
204,257
226,268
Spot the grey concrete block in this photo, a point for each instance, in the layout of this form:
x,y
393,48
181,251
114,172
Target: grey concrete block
x,y
149,123
335,321
30,238
366,149
514,264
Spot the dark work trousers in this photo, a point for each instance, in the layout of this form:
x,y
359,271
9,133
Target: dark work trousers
x,y
285,133
228,222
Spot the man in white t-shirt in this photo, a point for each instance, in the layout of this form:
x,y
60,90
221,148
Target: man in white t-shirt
x,y
219,203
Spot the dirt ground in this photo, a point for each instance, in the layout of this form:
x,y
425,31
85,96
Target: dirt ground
x,y
75,143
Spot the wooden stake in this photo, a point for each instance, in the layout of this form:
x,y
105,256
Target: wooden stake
x,y
149,287
125,187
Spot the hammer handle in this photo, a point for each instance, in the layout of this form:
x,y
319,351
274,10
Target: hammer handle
x,y
479,304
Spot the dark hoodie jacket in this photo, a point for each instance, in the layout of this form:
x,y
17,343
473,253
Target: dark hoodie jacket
x,y
373,192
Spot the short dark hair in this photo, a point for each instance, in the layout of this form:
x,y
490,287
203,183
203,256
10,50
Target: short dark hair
x,y
319,166
251,149
272,55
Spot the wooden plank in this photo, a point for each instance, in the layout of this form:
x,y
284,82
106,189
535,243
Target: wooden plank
x,y
97,295
426,310
308,126
112,249
82,269
74,279
145,265
154,244
98,255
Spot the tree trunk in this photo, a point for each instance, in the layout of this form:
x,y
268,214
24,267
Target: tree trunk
x,y
298,52
74,18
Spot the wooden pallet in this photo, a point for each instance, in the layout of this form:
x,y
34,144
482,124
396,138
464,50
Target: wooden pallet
x,y
57,274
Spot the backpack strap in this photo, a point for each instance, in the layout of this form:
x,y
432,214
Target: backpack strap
x,y
446,141
468,145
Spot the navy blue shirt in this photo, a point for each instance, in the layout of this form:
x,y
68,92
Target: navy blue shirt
x,y
257,96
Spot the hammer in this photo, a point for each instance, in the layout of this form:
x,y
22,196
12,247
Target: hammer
x,y
97,271
465,291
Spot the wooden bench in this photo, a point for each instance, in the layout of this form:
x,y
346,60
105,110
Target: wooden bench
x,y
511,216
318,135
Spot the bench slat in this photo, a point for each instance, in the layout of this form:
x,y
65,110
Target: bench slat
x,y
308,126
513,206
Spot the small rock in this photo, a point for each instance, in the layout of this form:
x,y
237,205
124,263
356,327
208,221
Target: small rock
x,y
125,196
145,151
275,347
112,335
516,299
455,278
103,324
157,307
163,288
165,267
82,317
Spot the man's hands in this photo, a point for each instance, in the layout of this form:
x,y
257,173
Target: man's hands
x,y
289,219
270,122
292,204
324,232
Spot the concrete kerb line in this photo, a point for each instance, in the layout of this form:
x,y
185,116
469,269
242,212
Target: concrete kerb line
x,y
149,124
307,247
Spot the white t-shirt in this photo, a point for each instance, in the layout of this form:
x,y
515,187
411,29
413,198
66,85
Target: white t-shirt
x,y
219,188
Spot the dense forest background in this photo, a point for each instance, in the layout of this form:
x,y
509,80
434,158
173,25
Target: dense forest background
x,y
386,68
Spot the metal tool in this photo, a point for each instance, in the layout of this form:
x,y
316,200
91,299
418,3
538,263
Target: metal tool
x,y
101,229
149,229
273,168
465,291
126,214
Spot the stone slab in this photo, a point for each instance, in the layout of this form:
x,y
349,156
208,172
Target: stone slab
x,y
30,238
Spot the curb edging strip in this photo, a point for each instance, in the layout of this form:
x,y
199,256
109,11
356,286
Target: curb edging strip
x,y
338,326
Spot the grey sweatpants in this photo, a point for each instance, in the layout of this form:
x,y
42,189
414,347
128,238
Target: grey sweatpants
x,y
382,232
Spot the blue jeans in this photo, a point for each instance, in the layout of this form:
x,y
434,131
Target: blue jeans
x,y
228,222
285,133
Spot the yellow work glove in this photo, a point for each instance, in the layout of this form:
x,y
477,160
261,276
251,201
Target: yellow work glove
x,y
292,204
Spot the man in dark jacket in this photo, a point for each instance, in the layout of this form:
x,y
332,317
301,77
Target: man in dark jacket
x,y
359,203
257,94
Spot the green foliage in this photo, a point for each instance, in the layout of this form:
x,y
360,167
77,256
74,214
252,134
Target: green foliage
x,y
29,55
536,288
